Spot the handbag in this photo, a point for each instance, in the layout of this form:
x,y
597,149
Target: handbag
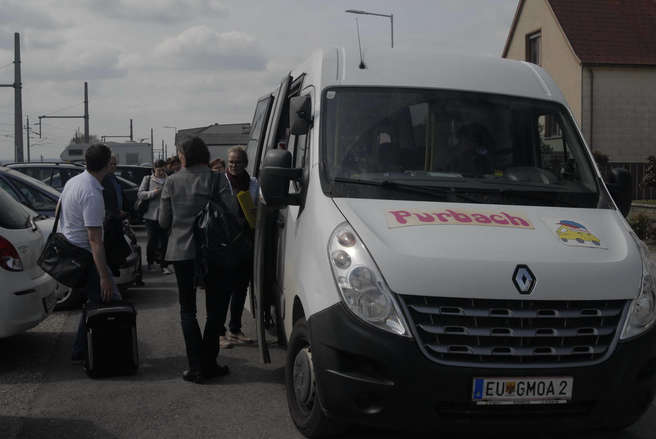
x,y
221,239
64,261
141,206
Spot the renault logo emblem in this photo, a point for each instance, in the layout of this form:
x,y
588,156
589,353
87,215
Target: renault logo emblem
x,y
523,279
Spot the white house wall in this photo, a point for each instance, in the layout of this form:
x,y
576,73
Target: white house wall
x,y
624,99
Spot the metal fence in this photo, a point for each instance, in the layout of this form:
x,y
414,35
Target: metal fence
x,y
637,170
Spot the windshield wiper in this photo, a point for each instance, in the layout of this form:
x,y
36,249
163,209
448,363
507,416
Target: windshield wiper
x,y
447,192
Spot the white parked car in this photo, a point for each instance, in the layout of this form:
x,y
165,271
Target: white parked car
x,y
28,294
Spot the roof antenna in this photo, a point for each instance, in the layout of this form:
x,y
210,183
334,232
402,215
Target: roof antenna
x,y
357,25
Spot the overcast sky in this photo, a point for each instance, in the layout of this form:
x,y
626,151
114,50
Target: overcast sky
x,y
189,63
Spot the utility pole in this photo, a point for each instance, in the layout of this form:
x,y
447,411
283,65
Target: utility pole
x,y
163,151
131,136
152,147
27,130
18,101
86,113
85,116
390,16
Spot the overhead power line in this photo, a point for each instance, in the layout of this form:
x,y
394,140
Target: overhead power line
x,y
62,109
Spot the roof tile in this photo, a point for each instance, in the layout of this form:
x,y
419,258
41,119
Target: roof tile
x,y
609,31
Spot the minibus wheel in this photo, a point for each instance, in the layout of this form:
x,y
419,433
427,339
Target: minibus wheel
x,y
302,397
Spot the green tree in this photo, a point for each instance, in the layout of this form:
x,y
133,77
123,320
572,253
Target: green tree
x,y
649,179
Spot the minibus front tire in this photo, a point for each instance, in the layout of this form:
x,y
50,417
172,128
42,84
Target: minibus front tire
x,y
302,399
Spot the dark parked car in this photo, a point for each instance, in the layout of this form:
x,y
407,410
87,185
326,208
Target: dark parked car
x,y
56,174
133,173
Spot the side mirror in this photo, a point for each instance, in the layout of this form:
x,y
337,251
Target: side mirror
x,y
275,176
300,114
619,184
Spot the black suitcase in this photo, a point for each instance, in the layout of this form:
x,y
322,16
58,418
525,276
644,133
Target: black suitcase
x,y
111,339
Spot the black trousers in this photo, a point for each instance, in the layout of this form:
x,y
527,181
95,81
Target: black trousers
x,y
157,240
202,349
236,296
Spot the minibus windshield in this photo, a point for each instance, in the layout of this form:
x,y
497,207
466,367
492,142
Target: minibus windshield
x,y
426,144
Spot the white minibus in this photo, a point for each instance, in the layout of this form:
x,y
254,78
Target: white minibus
x,y
436,249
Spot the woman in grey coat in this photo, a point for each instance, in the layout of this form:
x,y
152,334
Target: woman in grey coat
x,y
183,196
149,192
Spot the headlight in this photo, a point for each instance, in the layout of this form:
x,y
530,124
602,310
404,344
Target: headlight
x,y
360,283
643,309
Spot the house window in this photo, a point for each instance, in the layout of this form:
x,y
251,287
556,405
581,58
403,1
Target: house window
x,y
551,127
533,47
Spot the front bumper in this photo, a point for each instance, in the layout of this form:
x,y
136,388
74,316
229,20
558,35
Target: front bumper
x,y
26,305
365,375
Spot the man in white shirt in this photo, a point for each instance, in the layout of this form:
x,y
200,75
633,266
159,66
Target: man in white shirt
x,y
82,215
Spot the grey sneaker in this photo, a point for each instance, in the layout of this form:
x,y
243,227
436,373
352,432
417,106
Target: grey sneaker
x,y
166,271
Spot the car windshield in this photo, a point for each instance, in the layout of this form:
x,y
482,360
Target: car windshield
x,y
451,145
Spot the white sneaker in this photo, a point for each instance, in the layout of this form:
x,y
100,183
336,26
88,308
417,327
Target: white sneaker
x,y
166,271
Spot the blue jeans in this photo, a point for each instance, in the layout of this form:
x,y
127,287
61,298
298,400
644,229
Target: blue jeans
x,y
90,294
202,349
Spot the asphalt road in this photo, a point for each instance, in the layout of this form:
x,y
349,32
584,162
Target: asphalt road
x,y
43,396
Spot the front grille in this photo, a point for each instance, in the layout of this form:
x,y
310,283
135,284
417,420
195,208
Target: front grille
x,y
514,332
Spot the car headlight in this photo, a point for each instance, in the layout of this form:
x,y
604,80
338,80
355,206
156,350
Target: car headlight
x,y
360,283
643,309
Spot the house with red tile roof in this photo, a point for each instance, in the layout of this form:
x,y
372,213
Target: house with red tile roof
x,y
602,55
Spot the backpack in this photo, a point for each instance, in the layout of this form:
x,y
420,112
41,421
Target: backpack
x,y
222,238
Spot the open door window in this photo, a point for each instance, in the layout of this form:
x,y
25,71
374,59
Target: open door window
x,y
257,134
265,310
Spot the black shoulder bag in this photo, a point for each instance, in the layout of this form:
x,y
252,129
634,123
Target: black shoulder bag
x,y
65,262
221,239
